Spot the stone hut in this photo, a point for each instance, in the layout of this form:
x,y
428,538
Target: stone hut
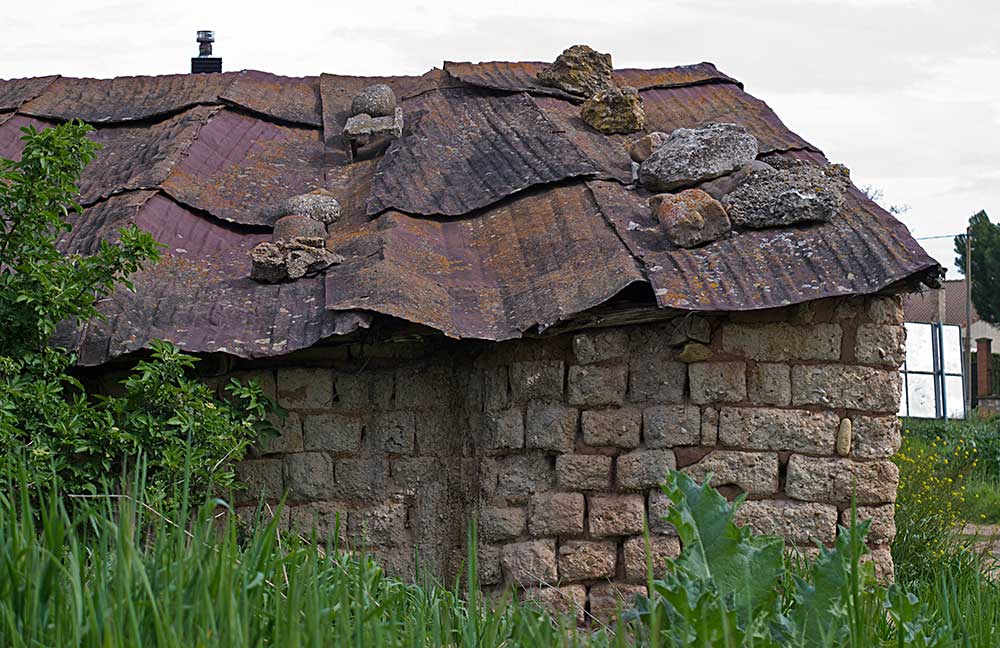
x,y
494,297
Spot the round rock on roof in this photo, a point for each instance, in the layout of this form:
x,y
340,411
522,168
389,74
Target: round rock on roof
x,y
297,225
376,101
319,205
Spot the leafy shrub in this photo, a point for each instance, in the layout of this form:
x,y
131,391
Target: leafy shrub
x,y
930,503
48,423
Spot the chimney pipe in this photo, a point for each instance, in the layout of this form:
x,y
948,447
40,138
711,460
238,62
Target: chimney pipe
x,y
205,62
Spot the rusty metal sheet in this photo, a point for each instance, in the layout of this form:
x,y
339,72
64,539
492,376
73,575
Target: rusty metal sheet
x,y
239,166
289,99
140,157
606,152
463,150
533,261
509,76
337,91
863,250
687,107
14,92
123,99
101,222
199,296
673,77
10,134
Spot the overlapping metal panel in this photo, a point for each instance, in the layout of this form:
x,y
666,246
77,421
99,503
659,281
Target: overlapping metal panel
x,y
464,150
14,92
531,261
288,99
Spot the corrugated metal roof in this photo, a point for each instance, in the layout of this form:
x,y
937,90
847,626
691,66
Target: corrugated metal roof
x,y
531,261
464,150
497,212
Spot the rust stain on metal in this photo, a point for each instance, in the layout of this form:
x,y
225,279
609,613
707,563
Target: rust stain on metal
x,y
288,99
123,99
863,250
510,76
15,92
687,107
673,77
10,134
606,152
199,296
240,166
532,261
464,150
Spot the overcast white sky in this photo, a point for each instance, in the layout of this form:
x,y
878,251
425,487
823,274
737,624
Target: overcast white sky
x,y
905,92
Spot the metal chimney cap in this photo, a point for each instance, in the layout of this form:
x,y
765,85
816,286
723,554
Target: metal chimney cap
x,y
206,36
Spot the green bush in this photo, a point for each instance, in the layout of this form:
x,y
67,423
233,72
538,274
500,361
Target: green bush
x,y
48,423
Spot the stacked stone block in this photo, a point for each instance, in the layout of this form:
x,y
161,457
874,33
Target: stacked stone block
x,y
556,446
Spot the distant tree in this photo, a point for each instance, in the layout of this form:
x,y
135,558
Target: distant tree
x,y
876,195
985,265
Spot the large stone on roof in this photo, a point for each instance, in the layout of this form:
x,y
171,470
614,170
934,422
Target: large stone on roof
x,y
614,110
722,186
319,205
296,225
375,101
780,197
694,155
642,147
284,260
691,217
579,70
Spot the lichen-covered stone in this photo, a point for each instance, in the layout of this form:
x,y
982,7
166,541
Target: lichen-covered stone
x,y
614,110
583,472
883,522
764,428
875,437
553,514
620,428
656,378
364,125
282,260
642,469
717,382
581,560
694,155
709,426
551,427
770,383
530,563
659,506
296,225
597,385
691,217
829,479
262,478
393,432
566,601
756,473
661,549
381,525
376,100
886,310
579,70
610,599
880,344
799,523
327,519
722,186
616,515
785,196
523,475
536,379
694,352
304,389
598,346
852,387
667,426
309,475
505,429
320,205
362,478
781,342
642,147
332,432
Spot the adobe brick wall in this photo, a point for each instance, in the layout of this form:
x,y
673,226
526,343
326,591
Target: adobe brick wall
x,y
556,445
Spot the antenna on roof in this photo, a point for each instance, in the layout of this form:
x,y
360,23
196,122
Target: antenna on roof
x,y
205,62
